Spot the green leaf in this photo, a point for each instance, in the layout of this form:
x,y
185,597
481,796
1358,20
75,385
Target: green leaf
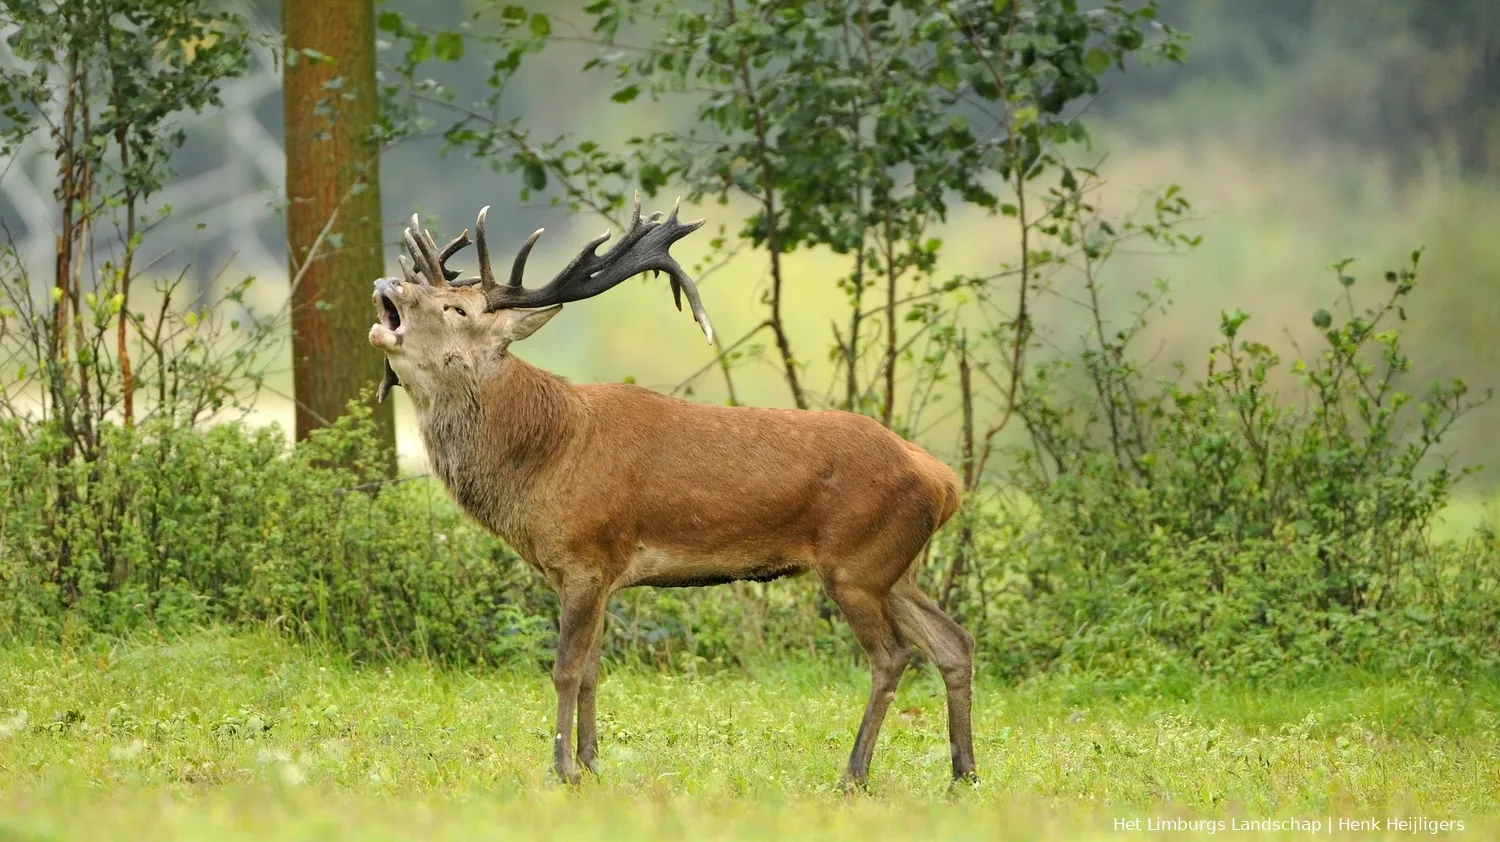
x,y
1322,319
653,177
541,25
1096,62
420,49
389,21
947,77
449,46
1231,322
626,94
535,175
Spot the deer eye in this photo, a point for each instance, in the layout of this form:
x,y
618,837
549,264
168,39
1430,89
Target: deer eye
x,y
458,310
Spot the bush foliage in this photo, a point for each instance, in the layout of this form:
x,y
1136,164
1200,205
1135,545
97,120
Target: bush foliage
x,y
174,528
1262,520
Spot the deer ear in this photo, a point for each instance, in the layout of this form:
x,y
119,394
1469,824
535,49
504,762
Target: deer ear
x,y
526,322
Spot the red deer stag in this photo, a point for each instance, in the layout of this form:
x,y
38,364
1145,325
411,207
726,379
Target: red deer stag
x,y
609,486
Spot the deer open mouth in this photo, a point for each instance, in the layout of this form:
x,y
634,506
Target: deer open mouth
x,y
387,333
390,317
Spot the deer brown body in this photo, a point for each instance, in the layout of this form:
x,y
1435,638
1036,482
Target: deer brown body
x,y
603,487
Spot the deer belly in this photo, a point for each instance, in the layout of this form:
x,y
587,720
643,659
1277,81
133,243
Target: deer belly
x,y
671,569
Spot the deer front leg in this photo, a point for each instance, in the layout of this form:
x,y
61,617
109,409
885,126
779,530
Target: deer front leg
x,y
582,608
588,730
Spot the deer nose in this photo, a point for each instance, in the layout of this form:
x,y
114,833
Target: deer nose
x,y
389,287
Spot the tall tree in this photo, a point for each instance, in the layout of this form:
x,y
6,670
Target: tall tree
x,y
333,206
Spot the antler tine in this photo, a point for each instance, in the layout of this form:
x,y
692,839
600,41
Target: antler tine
x,y
486,270
518,269
482,249
424,251
408,271
682,283
635,215
433,253
454,246
589,254
431,263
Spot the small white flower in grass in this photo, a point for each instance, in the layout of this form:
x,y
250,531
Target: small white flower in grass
x,y
126,752
13,724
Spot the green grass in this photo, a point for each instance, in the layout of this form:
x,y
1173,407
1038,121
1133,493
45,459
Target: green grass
x,y
248,736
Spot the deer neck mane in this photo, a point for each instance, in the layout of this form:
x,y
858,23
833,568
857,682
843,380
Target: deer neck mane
x,y
491,439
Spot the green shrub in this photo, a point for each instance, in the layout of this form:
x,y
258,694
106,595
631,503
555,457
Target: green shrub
x,y
172,528
1248,523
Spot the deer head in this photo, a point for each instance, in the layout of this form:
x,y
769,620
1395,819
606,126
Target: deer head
x,y
434,327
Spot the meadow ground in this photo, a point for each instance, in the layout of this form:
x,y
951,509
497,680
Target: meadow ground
x,y
246,736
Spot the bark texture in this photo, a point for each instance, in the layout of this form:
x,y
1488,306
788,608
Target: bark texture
x,y
333,172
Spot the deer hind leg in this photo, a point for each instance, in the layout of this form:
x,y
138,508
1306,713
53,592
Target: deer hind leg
x,y
865,611
951,648
588,730
582,610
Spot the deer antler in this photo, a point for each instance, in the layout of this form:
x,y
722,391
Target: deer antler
x,y
428,264
643,248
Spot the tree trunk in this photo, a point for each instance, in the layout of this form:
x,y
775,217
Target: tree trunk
x,y
332,172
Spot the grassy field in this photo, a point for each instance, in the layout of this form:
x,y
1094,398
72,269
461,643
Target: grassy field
x,y
247,736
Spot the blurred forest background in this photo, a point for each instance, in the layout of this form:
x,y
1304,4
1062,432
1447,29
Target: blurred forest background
x,y
1303,131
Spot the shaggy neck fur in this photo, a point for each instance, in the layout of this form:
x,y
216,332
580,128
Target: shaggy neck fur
x,y
490,439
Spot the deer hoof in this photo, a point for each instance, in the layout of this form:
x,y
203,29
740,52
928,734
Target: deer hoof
x,y
964,779
851,785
